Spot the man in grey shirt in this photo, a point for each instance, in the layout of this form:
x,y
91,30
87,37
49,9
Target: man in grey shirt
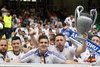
x,y
65,51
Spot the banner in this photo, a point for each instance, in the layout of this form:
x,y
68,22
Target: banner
x,y
92,47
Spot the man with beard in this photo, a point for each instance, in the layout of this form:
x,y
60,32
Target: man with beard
x,y
16,53
65,51
3,49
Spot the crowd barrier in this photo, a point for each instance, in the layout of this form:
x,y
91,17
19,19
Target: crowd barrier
x,y
44,65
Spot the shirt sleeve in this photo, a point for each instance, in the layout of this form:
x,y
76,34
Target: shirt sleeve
x,y
1,59
27,57
57,59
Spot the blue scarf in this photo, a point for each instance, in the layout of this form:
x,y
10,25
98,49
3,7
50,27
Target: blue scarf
x,y
92,47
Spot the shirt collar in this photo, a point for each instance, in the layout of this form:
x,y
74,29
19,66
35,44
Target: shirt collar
x,y
38,53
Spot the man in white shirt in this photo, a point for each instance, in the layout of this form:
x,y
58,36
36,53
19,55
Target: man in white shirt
x,y
69,20
4,10
19,27
73,27
16,53
65,51
46,30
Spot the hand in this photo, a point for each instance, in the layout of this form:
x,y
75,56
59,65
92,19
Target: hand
x,y
31,47
71,62
32,32
7,58
65,27
85,35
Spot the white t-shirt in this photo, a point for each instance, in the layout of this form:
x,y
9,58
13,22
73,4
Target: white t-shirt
x,y
2,60
1,25
54,31
97,58
69,20
98,33
31,21
17,21
73,28
46,31
68,52
84,56
54,18
58,23
4,13
14,57
26,30
22,29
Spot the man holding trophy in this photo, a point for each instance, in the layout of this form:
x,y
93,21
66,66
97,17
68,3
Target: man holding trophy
x,y
84,23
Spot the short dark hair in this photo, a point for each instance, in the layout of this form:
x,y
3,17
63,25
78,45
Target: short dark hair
x,y
59,34
95,36
42,37
64,24
16,38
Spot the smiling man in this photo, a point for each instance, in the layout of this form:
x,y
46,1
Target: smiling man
x,y
16,53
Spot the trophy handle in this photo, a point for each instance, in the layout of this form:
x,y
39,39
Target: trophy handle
x,y
92,13
78,10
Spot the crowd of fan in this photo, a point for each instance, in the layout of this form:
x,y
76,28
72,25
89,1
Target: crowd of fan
x,y
31,23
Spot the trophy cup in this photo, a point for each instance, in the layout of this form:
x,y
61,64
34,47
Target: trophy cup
x,y
84,21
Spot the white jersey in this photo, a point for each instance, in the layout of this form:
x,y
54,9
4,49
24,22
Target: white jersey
x,y
14,57
46,31
73,28
4,13
22,29
84,56
34,56
2,59
68,52
97,58
68,20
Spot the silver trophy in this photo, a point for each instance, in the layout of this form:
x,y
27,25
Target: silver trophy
x,y
84,21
